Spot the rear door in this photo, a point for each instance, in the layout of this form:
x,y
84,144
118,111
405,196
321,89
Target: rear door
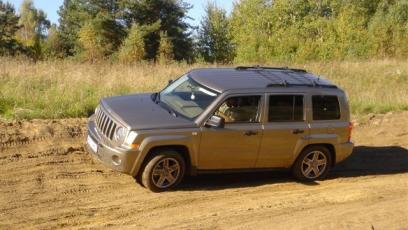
x,y
285,129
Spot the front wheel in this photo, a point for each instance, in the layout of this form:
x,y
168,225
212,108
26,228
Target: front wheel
x,y
164,171
312,164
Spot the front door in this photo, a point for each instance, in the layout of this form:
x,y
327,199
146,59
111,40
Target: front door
x,y
236,145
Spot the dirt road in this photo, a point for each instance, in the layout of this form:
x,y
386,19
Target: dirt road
x,y
48,181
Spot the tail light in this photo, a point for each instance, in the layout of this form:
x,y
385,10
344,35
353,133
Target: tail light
x,y
350,128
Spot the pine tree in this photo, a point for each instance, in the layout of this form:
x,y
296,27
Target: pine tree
x,y
74,14
171,17
165,54
71,19
168,15
100,37
133,47
8,28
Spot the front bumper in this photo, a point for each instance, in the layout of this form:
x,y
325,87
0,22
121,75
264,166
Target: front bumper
x,y
117,158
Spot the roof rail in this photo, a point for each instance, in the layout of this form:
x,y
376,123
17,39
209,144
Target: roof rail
x,y
258,67
289,85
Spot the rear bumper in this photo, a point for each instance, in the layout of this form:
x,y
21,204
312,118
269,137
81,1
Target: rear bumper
x,y
343,151
116,158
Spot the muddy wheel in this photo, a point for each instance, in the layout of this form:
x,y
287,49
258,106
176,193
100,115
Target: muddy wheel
x,y
164,171
312,164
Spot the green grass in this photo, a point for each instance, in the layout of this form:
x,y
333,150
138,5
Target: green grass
x,y
59,89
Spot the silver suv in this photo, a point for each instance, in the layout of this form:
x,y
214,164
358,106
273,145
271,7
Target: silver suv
x,y
224,120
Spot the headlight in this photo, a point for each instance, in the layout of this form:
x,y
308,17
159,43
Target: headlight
x,y
96,109
131,137
120,134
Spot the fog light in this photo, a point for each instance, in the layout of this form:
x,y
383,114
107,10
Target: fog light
x,y
116,160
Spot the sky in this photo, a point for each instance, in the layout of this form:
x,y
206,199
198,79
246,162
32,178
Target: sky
x,y
51,7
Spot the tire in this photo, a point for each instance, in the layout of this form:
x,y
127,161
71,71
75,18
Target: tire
x,y
313,163
164,171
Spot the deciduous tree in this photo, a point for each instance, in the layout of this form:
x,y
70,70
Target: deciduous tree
x,y
33,25
133,47
214,36
53,45
165,54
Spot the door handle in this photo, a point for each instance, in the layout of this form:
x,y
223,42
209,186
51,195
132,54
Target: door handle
x,y
250,133
298,131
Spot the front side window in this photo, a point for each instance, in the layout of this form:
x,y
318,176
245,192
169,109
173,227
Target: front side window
x,y
285,108
325,107
240,109
187,97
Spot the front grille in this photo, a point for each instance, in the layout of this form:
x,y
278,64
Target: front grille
x,y
105,124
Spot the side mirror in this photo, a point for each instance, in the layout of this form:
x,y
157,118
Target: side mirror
x,y
215,121
170,81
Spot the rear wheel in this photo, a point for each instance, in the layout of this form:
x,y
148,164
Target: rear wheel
x,y
164,171
312,164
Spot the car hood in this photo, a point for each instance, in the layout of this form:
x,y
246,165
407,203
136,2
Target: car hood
x,y
138,111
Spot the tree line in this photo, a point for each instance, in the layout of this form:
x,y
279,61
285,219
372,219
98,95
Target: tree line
x,y
256,31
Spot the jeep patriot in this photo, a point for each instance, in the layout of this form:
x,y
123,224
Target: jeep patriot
x,y
224,120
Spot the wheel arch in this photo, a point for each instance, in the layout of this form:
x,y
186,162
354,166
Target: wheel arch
x,y
330,147
181,149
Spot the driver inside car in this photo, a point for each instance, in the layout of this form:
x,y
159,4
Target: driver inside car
x,y
231,111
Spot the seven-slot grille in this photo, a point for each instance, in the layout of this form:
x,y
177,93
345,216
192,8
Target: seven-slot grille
x,y
105,124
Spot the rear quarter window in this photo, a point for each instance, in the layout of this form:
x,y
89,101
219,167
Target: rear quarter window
x,y
325,107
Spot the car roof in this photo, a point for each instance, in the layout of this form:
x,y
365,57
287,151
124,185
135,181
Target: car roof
x,y
242,77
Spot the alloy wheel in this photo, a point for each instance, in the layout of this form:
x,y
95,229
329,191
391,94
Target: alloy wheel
x,y
314,164
166,172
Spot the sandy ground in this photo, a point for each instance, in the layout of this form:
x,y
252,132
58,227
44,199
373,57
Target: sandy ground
x,y
48,181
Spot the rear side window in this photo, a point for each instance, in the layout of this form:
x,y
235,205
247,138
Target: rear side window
x,y
285,108
325,107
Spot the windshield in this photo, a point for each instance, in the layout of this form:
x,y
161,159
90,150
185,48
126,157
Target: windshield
x,y
187,97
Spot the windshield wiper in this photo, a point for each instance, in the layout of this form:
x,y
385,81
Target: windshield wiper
x,y
166,107
172,112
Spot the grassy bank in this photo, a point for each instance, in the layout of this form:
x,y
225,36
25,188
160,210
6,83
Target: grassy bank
x,y
55,89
